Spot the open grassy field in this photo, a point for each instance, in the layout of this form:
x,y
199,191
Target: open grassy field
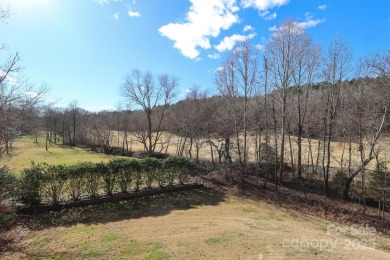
x,y
198,224
170,144
25,150
192,225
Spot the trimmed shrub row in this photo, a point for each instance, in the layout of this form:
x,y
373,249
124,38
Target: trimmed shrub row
x,y
58,183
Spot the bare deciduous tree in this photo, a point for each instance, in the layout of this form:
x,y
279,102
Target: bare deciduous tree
x,y
153,98
337,67
236,81
291,61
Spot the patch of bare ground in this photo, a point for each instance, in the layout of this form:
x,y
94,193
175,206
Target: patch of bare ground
x,y
305,196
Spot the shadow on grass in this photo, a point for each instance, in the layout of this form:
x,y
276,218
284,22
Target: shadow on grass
x,y
153,206
68,147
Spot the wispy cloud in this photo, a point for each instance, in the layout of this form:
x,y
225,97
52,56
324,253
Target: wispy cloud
x,y
102,2
260,47
263,5
228,42
322,7
31,94
117,16
266,15
308,23
131,12
134,14
273,28
101,108
214,56
248,28
204,20
10,78
311,23
106,2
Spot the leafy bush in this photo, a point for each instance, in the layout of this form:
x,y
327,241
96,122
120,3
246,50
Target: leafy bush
x,y
8,184
8,188
54,180
379,185
76,181
339,179
92,179
134,166
151,167
123,175
31,183
57,183
108,175
178,167
153,155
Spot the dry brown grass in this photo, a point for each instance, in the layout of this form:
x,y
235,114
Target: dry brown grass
x,y
191,225
337,149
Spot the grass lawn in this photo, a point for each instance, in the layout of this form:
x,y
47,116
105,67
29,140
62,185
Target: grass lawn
x,y
196,224
26,150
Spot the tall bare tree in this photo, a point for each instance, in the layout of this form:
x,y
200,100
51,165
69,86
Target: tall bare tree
x,y
337,68
18,97
372,110
236,81
291,59
225,81
304,69
153,98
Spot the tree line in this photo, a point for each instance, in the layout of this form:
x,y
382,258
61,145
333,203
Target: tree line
x,y
283,106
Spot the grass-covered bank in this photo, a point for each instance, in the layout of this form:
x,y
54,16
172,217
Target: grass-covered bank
x,y
25,150
198,224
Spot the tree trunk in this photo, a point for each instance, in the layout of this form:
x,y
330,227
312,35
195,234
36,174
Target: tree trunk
x,y
349,180
291,155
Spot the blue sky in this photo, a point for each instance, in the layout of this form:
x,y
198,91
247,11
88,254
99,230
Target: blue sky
x,y
83,49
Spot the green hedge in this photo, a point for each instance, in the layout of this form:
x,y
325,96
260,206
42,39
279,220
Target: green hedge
x,y
8,188
58,183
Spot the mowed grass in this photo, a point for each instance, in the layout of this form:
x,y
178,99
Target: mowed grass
x,y
195,224
25,150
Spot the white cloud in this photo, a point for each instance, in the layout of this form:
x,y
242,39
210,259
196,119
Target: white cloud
x,y
263,5
308,15
31,94
204,20
101,108
322,7
248,28
106,2
214,56
267,15
219,69
295,28
102,2
311,23
308,23
134,14
260,47
117,16
273,28
11,79
228,42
